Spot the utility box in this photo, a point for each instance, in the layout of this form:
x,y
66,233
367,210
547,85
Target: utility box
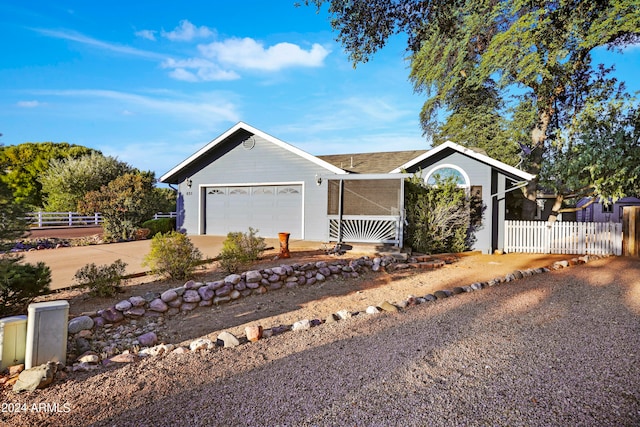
x,y
47,333
13,341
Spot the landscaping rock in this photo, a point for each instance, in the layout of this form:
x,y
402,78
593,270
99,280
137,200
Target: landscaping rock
x,y
387,306
191,295
111,315
37,377
78,324
253,333
301,325
158,305
201,344
228,339
123,305
137,301
148,340
169,295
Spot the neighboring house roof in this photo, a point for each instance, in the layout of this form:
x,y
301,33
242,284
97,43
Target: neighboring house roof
x,y
172,174
509,170
371,163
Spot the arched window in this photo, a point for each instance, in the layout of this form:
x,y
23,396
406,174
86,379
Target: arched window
x,y
446,171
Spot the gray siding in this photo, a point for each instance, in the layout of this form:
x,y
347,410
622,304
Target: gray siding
x,y
265,163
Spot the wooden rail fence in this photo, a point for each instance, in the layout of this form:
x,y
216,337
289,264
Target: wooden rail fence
x,y
74,219
563,237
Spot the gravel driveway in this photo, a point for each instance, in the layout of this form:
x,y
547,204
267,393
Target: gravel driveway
x,y
554,349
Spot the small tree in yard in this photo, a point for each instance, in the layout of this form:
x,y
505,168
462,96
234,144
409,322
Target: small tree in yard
x,y
173,254
240,248
441,217
125,203
19,283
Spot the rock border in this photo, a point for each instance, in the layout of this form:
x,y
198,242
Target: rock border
x,y
131,341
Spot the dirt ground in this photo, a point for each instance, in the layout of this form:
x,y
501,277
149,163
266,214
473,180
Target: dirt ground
x,y
286,306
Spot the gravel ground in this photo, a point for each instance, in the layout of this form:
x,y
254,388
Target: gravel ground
x,y
553,349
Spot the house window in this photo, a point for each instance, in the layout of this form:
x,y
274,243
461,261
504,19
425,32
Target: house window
x,y
445,172
607,208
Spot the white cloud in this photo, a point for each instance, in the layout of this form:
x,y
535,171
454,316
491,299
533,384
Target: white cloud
x,y
186,31
204,70
146,34
249,54
81,38
29,104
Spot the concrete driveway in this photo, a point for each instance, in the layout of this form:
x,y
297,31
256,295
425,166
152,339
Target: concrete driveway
x,y
65,262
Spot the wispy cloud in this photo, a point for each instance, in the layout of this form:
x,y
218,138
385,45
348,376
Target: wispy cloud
x,y
186,31
29,104
247,53
204,109
146,34
82,39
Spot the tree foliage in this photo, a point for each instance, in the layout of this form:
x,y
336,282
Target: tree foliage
x,y
540,50
125,203
19,283
12,218
67,180
25,163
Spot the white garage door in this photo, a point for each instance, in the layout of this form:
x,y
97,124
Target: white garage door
x,y
271,209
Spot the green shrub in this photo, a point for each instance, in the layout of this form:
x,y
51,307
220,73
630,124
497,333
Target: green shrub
x,y
239,248
160,225
440,218
103,280
20,284
173,255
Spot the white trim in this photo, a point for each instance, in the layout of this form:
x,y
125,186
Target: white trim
x,y
468,152
202,190
467,183
241,125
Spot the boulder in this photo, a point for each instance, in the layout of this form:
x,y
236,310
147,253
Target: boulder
x,y
80,323
36,377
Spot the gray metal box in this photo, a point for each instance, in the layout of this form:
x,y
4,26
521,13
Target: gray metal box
x,y
47,333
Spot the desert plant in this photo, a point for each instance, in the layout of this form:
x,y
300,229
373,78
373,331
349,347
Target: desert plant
x,y
20,284
160,225
104,280
240,248
174,255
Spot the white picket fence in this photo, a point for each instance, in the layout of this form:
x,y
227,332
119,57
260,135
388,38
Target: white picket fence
x,y
74,219
560,237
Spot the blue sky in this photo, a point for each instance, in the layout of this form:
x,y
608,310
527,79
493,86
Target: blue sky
x,y
152,82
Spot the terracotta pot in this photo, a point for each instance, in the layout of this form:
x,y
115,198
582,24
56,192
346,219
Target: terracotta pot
x,y
284,245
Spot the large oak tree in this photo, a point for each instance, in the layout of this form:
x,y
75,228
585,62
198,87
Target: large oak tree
x,y
539,49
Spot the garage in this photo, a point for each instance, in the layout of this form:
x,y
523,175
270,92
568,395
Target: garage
x,y
271,209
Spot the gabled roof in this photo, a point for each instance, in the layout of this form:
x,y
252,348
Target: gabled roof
x,y
381,162
243,126
507,169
